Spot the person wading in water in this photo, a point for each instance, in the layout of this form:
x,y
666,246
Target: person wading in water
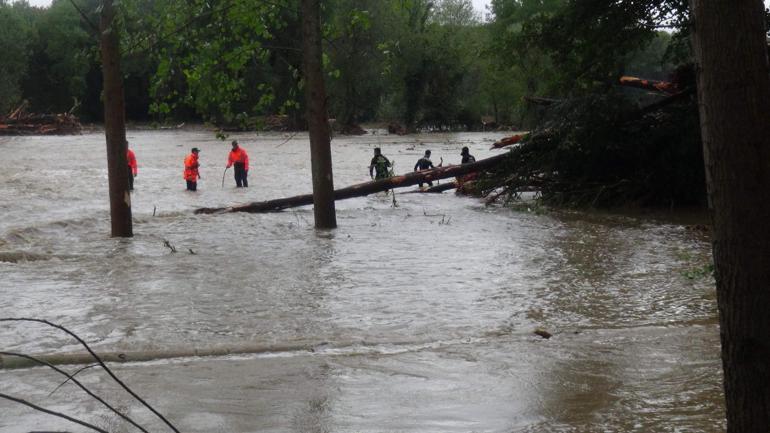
x,y
132,168
191,174
379,165
240,160
424,163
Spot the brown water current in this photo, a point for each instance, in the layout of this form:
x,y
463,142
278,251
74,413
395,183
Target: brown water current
x,y
419,318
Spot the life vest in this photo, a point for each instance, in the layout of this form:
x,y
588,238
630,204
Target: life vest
x,y
238,155
132,161
191,167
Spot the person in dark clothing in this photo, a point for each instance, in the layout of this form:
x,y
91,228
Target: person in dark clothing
x,y
379,165
467,157
424,163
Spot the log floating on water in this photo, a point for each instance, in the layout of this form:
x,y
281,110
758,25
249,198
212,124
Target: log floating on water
x,y
364,189
13,362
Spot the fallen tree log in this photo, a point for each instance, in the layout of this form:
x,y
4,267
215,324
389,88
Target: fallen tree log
x,y
364,189
508,141
654,85
539,100
434,189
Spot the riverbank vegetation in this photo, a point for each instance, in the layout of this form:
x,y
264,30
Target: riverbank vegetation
x,y
421,65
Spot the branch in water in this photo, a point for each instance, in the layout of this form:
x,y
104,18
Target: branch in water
x,y
52,412
99,360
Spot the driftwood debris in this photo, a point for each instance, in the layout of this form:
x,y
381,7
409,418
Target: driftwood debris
x,y
363,189
508,141
19,122
653,85
539,100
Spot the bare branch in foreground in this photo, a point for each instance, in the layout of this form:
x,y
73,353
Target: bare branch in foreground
x,y
80,385
99,360
52,412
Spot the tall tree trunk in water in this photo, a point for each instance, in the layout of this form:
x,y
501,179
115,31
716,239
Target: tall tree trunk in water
x,y
317,117
115,124
734,102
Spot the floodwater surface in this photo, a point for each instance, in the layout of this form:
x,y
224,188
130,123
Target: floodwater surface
x,y
417,317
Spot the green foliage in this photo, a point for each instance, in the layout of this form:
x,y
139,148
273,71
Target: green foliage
x,y
59,59
560,48
431,65
213,55
701,272
14,39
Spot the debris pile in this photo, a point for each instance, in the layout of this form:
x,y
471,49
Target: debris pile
x,y
19,122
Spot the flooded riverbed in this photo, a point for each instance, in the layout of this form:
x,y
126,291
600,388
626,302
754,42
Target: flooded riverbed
x,y
420,317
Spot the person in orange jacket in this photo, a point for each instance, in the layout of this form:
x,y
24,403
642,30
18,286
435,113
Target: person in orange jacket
x,y
240,160
191,174
132,168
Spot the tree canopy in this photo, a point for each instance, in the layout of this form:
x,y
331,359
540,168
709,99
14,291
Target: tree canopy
x,y
427,65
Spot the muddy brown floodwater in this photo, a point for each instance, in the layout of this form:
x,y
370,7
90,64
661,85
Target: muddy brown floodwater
x,y
420,316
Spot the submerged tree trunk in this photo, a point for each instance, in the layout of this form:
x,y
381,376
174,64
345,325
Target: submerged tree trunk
x,y
115,124
366,188
734,101
317,117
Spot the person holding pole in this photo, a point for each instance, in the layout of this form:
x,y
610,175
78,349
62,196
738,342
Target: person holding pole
x,y
191,165
239,160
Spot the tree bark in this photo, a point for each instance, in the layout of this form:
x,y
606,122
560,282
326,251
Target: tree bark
x,y
734,103
366,188
317,117
115,124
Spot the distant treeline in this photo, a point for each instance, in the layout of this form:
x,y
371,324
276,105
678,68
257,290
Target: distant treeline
x,y
418,63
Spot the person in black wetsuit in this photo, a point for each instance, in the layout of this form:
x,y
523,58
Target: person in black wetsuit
x,y
467,157
424,163
379,165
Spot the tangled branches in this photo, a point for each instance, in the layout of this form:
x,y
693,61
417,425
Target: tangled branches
x,y
605,151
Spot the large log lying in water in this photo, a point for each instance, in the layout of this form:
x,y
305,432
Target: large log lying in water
x,y
363,189
435,188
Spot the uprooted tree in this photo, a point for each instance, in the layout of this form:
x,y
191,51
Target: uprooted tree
x,y
366,188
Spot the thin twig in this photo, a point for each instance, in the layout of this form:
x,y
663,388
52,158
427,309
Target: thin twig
x,y
99,360
288,139
73,375
168,245
52,412
76,382
83,15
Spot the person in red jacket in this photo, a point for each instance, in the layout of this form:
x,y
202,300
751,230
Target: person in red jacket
x,y
132,168
191,174
240,160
